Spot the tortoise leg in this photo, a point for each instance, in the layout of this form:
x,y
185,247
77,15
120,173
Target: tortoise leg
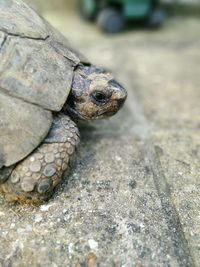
x,y
34,179
5,172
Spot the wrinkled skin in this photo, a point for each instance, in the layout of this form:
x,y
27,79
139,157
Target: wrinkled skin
x,y
95,94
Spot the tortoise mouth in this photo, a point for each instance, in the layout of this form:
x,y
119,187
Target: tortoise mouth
x,y
74,114
70,109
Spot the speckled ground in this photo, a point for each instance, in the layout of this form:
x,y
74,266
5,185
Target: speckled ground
x,y
132,196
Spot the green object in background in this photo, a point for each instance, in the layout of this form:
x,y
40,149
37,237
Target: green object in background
x,y
88,8
111,15
136,8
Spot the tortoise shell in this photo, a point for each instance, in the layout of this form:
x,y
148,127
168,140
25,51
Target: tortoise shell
x,y
36,72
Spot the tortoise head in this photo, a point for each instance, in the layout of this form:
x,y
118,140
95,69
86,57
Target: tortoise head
x,y
95,94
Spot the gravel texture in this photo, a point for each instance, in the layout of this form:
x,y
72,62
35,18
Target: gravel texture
x,y
132,196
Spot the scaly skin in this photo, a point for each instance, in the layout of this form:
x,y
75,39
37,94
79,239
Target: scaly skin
x,y
95,94
34,179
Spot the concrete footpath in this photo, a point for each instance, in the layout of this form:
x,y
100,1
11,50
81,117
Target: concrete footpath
x,y
133,197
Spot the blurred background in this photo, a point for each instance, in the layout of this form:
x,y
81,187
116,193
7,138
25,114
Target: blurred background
x,y
154,53
133,197
60,4
159,65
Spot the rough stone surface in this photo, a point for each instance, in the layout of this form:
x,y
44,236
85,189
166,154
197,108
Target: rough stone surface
x,y
132,197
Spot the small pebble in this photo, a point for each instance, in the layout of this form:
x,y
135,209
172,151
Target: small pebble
x,y
93,244
45,207
12,225
38,219
64,211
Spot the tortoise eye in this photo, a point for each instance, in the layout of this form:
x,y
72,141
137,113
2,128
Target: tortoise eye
x,y
99,97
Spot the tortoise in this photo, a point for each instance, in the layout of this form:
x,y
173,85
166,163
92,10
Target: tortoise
x,y
45,88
